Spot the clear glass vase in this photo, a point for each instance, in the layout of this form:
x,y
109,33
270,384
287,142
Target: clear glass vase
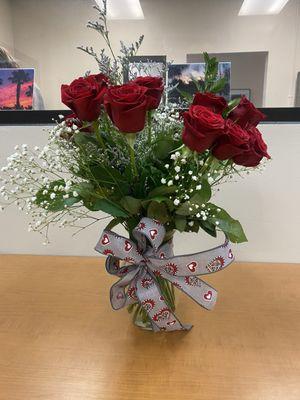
x,y
139,315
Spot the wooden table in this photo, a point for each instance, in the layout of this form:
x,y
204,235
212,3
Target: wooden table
x,y
60,340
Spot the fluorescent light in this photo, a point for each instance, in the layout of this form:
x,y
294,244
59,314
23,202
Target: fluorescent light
x,y
262,7
123,9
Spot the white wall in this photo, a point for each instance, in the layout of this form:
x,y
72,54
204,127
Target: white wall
x,y
47,33
266,204
6,28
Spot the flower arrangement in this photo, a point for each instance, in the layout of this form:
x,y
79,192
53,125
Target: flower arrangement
x,y
152,168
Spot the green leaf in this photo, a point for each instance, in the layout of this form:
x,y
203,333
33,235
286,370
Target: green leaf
x,y
180,223
163,147
114,222
201,197
71,200
195,227
231,227
106,206
108,177
158,211
218,85
81,139
84,189
231,106
187,96
162,190
209,228
131,204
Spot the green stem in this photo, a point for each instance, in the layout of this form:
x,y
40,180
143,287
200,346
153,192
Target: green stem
x,y
131,139
98,135
149,120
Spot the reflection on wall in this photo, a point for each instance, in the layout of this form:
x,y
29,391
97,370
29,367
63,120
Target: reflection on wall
x,y
44,35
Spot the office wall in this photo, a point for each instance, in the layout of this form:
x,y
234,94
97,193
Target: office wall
x,y
6,28
266,204
47,33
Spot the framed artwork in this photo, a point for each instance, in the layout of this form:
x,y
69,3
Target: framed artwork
x,y
16,88
237,93
146,65
186,77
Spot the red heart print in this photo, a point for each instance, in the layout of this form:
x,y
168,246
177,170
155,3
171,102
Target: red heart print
x,y
192,266
230,254
162,255
153,233
105,240
170,323
128,245
107,252
120,296
208,296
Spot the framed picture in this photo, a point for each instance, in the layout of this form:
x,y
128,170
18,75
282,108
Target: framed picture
x,y
146,65
186,78
16,88
237,93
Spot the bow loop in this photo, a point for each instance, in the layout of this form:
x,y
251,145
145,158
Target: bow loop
x,y
151,230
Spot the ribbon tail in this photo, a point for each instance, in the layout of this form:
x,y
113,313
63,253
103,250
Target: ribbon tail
x,y
153,302
198,290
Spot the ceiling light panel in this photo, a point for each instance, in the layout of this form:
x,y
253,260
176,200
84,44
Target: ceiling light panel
x,y
123,9
262,7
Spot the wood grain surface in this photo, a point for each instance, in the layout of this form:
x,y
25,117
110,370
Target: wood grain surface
x,y
60,339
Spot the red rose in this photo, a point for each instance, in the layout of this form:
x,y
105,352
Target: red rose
x,y
202,128
217,104
246,114
234,142
85,96
127,106
257,150
155,88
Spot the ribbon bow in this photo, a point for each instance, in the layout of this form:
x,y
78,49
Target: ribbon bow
x,y
149,258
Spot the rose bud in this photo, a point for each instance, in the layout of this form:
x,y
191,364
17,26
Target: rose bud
x,y
127,106
217,104
246,114
202,128
84,96
155,88
256,152
234,142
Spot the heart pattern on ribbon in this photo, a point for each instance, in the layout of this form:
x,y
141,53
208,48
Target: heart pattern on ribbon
x,y
208,296
128,245
153,233
105,240
192,266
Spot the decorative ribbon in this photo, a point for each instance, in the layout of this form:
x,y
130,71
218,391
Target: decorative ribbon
x,y
147,259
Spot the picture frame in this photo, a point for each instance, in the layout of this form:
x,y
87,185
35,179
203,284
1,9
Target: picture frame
x,y
155,65
237,93
16,89
188,77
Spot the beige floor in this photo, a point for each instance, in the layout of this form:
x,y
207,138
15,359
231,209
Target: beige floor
x,y
60,340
